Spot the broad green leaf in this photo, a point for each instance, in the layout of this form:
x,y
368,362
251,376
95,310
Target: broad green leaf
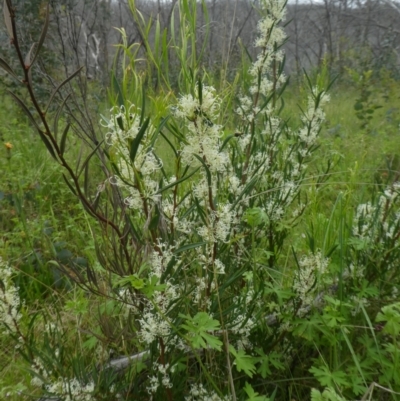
x,y
255,217
391,315
243,362
253,395
133,280
198,328
330,379
151,286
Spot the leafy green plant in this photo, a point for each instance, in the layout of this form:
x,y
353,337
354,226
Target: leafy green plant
x,y
366,103
199,285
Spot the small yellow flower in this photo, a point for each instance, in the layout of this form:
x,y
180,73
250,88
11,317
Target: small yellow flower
x,y
8,145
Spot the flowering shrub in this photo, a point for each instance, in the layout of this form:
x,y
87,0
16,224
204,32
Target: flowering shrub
x,y
199,291
10,302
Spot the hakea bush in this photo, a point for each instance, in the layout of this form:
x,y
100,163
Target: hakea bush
x,y
213,227
209,230
204,303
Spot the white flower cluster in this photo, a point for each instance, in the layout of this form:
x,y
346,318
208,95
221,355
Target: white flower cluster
x,y
313,118
130,305
271,36
365,215
62,388
219,225
40,373
275,155
153,322
264,70
160,376
199,393
124,126
241,327
9,299
71,390
309,278
372,220
160,259
203,138
354,271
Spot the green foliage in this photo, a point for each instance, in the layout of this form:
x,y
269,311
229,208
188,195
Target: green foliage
x,y
253,395
224,265
243,362
365,105
198,326
391,316
327,395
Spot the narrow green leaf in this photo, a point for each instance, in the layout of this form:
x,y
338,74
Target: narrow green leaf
x,y
206,33
246,189
157,39
69,185
155,220
27,63
165,53
206,168
89,157
28,57
24,109
142,114
177,182
226,140
175,132
41,133
190,246
158,131
61,85
88,210
200,88
372,330
355,359
6,67
42,35
120,123
63,139
48,144
120,97
247,52
57,116
86,179
7,18
136,142
170,144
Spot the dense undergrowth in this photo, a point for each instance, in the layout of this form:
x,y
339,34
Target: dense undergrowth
x,y
237,244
